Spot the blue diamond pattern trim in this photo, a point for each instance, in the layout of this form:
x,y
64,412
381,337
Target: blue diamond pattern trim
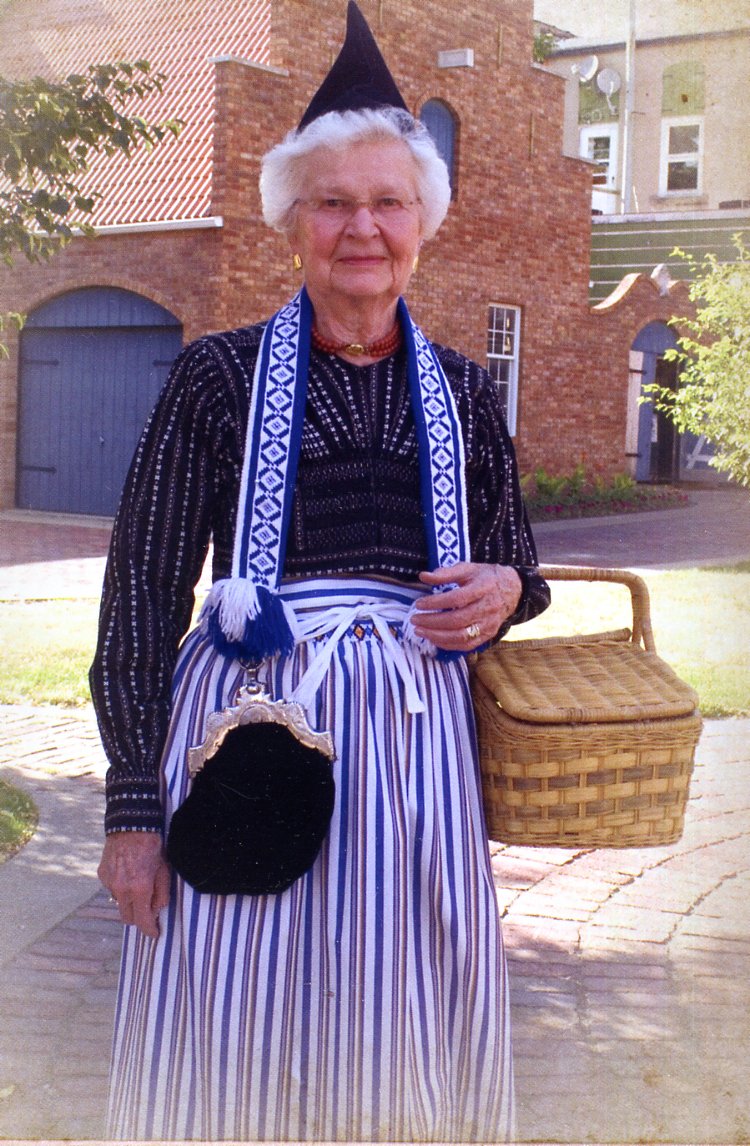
x,y
267,461
449,519
275,424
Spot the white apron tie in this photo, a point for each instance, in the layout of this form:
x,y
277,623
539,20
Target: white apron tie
x,y
341,604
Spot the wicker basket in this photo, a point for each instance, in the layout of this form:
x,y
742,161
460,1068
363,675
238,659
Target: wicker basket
x,y
585,741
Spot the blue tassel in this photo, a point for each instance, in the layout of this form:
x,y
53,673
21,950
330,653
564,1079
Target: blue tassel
x,y
448,655
265,634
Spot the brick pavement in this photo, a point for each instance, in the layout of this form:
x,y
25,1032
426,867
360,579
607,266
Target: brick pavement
x,y
630,972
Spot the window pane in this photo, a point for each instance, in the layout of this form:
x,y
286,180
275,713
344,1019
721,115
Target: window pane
x,y
684,139
501,331
499,369
500,342
599,146
502,357
599,150
682,175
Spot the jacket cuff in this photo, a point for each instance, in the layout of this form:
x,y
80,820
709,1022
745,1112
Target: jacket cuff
x,y
535,598
133,805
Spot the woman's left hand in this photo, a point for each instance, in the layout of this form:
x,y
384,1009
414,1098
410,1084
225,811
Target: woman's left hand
x,y
469,615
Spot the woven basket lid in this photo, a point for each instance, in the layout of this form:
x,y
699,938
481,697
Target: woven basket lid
x,y
559,682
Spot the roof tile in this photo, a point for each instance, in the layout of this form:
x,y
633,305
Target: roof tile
x,y
178,37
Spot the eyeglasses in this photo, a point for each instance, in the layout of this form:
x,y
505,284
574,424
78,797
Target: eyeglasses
x,y
384,208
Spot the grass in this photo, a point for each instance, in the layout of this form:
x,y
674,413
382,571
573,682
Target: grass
x,y
47,649
701,621
18,820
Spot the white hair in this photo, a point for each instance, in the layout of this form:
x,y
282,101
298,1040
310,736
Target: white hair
x,y
282,177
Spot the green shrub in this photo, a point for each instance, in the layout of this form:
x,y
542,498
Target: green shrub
x,y
548,486
551,497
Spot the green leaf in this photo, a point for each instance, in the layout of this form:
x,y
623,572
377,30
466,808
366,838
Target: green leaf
x,y
49,134
714,354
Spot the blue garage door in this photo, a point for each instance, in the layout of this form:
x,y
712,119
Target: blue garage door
x,y
92,365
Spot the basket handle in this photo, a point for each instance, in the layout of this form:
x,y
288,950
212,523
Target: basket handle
x,y
642,631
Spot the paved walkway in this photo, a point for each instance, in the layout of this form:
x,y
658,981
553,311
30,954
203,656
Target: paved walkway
x,y
630,969
713,529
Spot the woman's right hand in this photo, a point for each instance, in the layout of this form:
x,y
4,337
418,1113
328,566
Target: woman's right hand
x,y
136,874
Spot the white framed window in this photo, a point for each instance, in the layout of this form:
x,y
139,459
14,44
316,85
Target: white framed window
x,y
681,166
503,348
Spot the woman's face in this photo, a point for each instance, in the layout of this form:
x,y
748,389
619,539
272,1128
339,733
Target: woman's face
x,y
358,228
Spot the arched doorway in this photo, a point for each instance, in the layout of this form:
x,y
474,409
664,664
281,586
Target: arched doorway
x,y
657,441
91,366
659,452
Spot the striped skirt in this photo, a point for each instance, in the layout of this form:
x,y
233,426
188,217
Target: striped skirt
x,y
369,1001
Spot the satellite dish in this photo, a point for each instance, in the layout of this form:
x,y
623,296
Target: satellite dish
x,y
608,81
586,70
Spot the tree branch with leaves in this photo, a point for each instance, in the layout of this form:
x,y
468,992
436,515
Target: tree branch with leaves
x,y
713,353
49,134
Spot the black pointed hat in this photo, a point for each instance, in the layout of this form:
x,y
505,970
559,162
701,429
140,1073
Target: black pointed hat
x,y
359,76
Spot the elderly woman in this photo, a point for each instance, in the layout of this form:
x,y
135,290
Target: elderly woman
x,y
380,532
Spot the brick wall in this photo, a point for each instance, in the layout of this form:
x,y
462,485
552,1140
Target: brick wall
x,y
517,233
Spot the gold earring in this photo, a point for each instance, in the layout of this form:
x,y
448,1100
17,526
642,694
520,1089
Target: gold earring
x,y
297,262
415,264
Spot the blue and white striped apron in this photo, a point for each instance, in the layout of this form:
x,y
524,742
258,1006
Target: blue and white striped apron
x,y
369,1001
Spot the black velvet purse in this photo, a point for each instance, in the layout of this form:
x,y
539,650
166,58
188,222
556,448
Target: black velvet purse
x,y
261,799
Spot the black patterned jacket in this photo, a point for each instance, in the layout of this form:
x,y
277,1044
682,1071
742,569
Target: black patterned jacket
x,y
356,510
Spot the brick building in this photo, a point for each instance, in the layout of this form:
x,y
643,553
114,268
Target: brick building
x,y
182,250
